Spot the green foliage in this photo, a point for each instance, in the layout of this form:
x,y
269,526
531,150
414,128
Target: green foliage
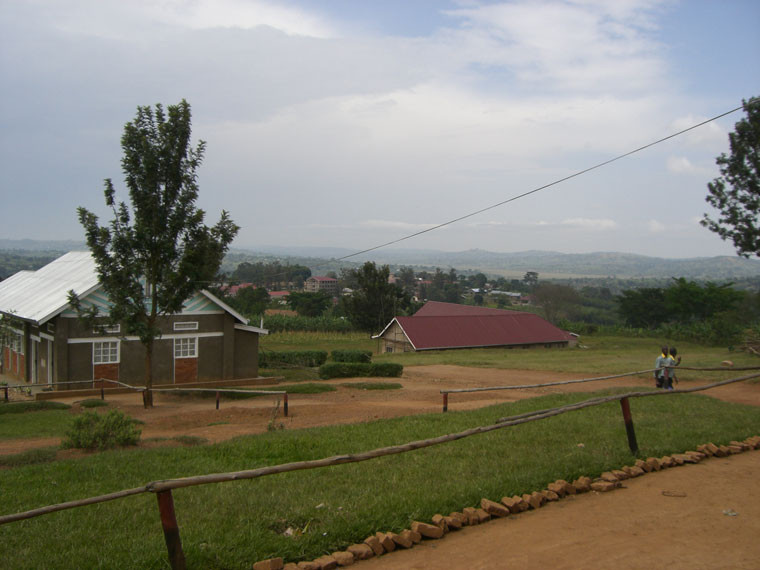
x,y
360,369
271,359
92,431
281,323
29,457
643,307
309,304
556,300
736,193
249,301
374,301
351,355
154,253
23,407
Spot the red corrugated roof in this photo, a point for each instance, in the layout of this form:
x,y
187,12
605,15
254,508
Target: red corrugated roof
x,y
461,331
440,309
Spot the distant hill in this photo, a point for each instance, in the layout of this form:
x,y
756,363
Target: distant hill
x,y
546,263
549,264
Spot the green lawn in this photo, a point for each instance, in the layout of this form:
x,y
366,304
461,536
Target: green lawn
x,y
231,525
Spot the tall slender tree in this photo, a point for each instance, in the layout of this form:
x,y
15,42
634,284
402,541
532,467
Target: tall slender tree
x,y
156,252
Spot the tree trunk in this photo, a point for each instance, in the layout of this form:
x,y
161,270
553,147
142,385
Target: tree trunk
x,y
148,393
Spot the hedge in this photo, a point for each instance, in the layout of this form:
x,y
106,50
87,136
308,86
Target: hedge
x,y
271,359
360,369
351,355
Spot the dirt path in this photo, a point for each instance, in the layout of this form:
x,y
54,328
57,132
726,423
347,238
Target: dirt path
x,y
709,519
175,416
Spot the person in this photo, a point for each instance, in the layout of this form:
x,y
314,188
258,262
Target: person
x,y
660,372
672,361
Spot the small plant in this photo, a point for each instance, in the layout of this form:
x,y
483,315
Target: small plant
x,y
273,425
102,431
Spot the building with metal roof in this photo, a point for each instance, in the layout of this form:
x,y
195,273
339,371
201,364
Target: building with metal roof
x,y
444,326
207,340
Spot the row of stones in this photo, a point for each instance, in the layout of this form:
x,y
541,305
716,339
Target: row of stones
x,y
383,542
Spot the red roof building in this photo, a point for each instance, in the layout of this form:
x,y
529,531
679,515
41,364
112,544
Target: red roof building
x,y
442,326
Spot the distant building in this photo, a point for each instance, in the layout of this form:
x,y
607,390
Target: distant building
x,y
443,326
325,284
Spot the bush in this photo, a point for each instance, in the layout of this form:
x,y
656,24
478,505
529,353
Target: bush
x,y
95,431
359,369
282,323
309,358
351,355
93,403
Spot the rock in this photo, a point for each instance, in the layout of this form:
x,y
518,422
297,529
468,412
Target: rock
x,y
493,508
654,463
722,451
290,566
609,476
403,539
540,497
453,523
604,486
532,502
643,465
343,558
415,536
636,471
753,441
270,564
677,458
482,515
427,530
460,517
375,545
557,488
361,551
735,449
550,495
582,484
439,521
386,541
472,515
744,446
326,563
620,474
667,461
310,565
728,363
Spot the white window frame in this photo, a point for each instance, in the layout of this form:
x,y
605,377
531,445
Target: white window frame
x,y
102,354
107,329
186,326
186,347
51,327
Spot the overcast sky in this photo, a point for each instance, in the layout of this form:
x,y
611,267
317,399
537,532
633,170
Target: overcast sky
x,y
350,123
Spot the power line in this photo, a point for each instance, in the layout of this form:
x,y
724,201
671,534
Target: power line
x,y
545,186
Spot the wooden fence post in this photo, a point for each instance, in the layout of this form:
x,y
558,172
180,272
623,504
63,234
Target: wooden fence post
x,y
6,392
171,530
285,404
217,399
625,405
445,401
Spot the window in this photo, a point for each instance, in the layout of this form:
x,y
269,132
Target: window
x,y
105,352
107,329
186,347
187,326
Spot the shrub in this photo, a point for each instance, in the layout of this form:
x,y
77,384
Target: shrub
x,y
360,369
351,355
282,323
309,358
102,431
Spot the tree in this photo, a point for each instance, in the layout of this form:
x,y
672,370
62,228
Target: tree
x,y
643,308
309,304
555,299
530,280
374,301
155,253
736,193
250,301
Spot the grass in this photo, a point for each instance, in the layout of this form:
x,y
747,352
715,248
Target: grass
x,y
233,524
24,407
93,403
29,457
46,423
373,385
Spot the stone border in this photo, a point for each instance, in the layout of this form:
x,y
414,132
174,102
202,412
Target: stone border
x,y
385,542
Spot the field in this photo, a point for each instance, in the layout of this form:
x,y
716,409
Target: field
x,y
231,525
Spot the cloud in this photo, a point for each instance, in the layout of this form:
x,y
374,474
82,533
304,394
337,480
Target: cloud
x,y
656,227
709,136
579,223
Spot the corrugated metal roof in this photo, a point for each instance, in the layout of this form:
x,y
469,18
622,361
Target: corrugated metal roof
x,y
440,309
40,295
469,331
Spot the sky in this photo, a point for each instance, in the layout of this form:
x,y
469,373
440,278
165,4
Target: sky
x,y
351,123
